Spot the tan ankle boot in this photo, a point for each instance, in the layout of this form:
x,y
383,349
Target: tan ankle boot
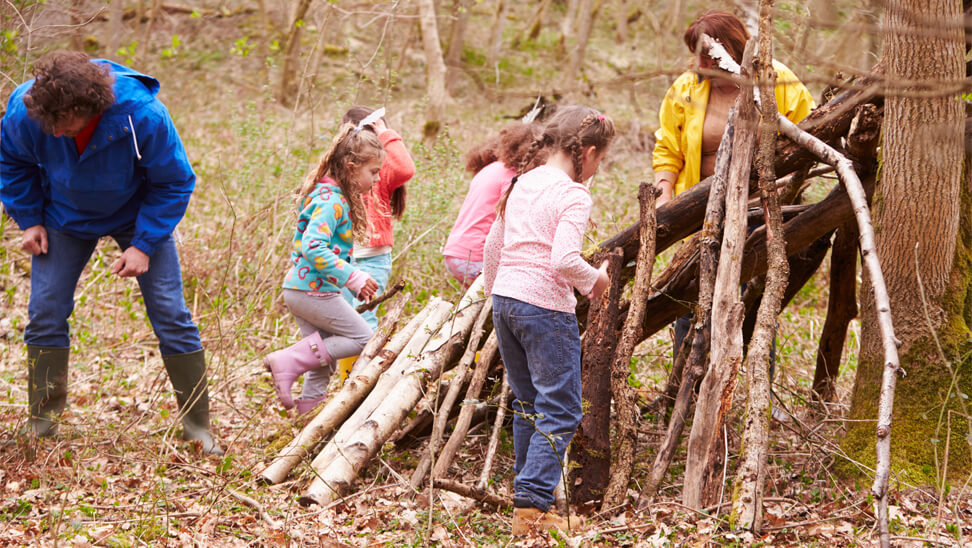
x,y
526,520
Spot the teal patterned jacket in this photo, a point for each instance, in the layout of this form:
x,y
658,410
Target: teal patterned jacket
x,y
321,253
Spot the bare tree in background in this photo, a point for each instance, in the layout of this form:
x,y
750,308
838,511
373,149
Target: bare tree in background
x,y
435,69
453,57
291,54
575,51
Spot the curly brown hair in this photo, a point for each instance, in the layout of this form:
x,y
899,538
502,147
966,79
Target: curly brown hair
x,y
510,146
67,84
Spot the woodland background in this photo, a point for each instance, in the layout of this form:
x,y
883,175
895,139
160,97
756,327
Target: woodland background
x,y
256,90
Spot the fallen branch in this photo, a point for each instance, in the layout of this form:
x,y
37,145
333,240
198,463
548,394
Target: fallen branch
x,y
473,492
442,413
389,293
625,399
858,197
356,448
494,437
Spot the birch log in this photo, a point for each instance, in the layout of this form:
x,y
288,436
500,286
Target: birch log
x,y
625,404
334,477
704,461
892,365
747,498
458,381
337,408
423,337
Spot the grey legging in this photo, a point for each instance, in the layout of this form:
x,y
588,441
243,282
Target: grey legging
x,y
344,331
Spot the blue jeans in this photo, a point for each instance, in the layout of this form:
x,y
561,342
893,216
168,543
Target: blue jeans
x,y
541,353
378,267
54,278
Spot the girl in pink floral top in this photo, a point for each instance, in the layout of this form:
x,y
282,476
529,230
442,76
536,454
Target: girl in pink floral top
x,y
331,216
532,264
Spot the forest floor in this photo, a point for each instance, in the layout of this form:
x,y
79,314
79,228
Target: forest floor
x,y
118,475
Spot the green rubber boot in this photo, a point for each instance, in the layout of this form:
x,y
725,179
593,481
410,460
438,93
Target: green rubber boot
x,y
47,376
188,375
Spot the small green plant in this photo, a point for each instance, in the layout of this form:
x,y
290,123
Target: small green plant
x,y
127,53
173,50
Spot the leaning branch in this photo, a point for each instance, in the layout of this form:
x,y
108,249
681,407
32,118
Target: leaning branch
x,y
858,198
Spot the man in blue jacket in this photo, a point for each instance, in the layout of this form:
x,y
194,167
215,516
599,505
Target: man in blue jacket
x,y
86,151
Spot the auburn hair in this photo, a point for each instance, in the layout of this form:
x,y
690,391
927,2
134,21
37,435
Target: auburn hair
x,y
721,25
510,146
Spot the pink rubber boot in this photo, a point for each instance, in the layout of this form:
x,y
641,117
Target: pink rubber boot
x,y
288,364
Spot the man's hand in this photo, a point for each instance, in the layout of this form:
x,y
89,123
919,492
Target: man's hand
x,y
133,262
368,290
34,240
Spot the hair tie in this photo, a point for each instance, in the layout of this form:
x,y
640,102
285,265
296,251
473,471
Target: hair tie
x,y
600,117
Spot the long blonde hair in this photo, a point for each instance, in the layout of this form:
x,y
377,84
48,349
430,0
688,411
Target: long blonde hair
x,y
350,145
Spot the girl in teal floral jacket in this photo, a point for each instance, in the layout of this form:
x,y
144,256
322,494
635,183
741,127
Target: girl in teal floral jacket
x,y
331,217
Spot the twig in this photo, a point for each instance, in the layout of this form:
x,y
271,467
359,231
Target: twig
x,y
252,503
481,495
494,438
389,293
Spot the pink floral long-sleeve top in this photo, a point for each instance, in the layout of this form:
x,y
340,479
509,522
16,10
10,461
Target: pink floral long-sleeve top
x,y
533,251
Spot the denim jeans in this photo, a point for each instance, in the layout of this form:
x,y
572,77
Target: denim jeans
x,y
54,277
378,267
541,353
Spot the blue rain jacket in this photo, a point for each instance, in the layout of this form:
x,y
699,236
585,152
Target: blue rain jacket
x,y
133,175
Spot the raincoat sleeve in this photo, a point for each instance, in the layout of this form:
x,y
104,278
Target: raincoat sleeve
x,y
20,180
793,99
668,154
168,174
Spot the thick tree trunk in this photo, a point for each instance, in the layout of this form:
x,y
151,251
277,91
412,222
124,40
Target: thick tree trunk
x,y
591,446
577,47
920,216
291,54
453,56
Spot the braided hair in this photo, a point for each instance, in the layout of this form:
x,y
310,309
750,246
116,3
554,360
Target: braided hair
x,y
571,129
349,145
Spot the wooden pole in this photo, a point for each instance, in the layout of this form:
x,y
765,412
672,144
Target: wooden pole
x,y
703,466
747,496
892,367
625,399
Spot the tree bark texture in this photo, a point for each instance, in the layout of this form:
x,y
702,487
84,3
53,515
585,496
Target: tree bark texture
x,y
291,53
577,46
435,70
918,209
747,499
625,400
704,460
453,57
591,446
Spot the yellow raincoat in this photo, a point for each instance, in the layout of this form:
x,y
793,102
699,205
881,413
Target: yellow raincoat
x,y
678,146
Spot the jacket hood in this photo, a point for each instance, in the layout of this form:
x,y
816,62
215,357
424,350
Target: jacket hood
x,y
132,88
